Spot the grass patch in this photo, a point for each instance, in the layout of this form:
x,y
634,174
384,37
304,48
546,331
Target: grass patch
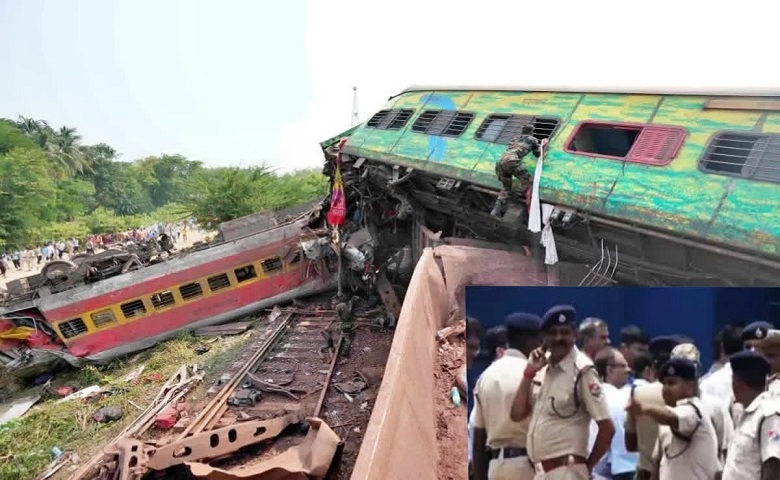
x,y
26,443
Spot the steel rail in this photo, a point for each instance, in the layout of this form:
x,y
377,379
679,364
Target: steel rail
x,y
215,406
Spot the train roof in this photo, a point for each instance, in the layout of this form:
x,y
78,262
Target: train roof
x,y
638,90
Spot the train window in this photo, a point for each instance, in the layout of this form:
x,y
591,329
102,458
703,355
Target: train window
x,y
272,264
190,290
377,118
134,308
743,154
103,318
399,120
500,128
163,299
648,144
446,123
72,328
218,282
245,273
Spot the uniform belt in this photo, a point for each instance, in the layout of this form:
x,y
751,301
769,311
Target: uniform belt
x,y
509,452
552,463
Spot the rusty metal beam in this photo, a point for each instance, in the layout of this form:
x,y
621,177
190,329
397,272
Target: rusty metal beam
x,y
222,441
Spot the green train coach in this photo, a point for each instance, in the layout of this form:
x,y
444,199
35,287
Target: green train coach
x,y
678,188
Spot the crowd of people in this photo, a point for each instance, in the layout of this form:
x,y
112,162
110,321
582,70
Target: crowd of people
x,y
30,259
558,401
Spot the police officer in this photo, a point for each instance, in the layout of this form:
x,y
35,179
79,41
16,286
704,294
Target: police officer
x,y
755,452
689,448
562,388
755,333
641,432
714,408
499,446
770,348
511,165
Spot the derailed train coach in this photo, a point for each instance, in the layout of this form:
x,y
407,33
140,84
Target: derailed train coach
x,y
638,187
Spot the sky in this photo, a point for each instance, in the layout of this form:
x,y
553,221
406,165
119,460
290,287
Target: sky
x,y
246,82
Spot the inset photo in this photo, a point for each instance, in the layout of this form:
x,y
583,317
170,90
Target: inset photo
x,y
618,383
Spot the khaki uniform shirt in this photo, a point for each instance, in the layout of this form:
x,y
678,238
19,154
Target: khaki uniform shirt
x,y
680,459
646,428
559,426
493,396
756,440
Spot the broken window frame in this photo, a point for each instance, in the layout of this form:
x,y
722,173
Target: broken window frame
x,y
438,123
752,166
514,125
130,308
72,328
675,136
272,265
99,322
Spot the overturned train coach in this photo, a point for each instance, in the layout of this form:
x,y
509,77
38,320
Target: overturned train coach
x,y
132,310
641,187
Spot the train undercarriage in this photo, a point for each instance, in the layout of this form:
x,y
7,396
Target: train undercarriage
x,y
592,250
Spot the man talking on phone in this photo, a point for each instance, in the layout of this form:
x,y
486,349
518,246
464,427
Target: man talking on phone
x,y
562,391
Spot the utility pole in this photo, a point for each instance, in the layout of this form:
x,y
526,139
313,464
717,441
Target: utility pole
x,y
354,107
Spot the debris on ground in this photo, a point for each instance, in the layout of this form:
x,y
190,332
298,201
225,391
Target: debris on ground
x,y
83,393
167,418
235,328
450,331
451,434
108,414
19,408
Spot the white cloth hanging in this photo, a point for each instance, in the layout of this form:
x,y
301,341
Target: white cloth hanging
x,y
534,220
551,251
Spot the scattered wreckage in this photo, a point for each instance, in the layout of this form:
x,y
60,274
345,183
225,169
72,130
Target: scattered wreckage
x,y
100,307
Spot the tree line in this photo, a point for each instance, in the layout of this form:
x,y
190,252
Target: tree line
x,y
53,186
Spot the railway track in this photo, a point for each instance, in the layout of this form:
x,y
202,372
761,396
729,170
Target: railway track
x,y
283,381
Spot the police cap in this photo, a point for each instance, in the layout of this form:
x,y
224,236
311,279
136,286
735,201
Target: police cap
x,y
523,322
662,345
678,367
559,315
756,331
749,363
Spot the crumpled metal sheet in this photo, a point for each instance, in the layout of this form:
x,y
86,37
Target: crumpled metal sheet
x,y
312,458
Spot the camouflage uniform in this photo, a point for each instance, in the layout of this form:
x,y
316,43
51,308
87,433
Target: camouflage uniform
x,y
510,165
344,311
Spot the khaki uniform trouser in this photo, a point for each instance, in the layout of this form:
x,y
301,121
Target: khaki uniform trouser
x,y
567,472
517,468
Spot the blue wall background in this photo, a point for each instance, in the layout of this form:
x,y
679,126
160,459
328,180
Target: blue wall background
x,y
696,312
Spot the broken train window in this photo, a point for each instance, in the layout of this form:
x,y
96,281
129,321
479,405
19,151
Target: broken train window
x,y
445,123
647,144
744,154
500,128
72,328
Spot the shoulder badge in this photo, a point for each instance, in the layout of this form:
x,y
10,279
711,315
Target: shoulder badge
x,y
595,389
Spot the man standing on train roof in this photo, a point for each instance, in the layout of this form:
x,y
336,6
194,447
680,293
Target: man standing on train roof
x,y
641,433
510,165
561,390
770,349
688,449
499,444
755,452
